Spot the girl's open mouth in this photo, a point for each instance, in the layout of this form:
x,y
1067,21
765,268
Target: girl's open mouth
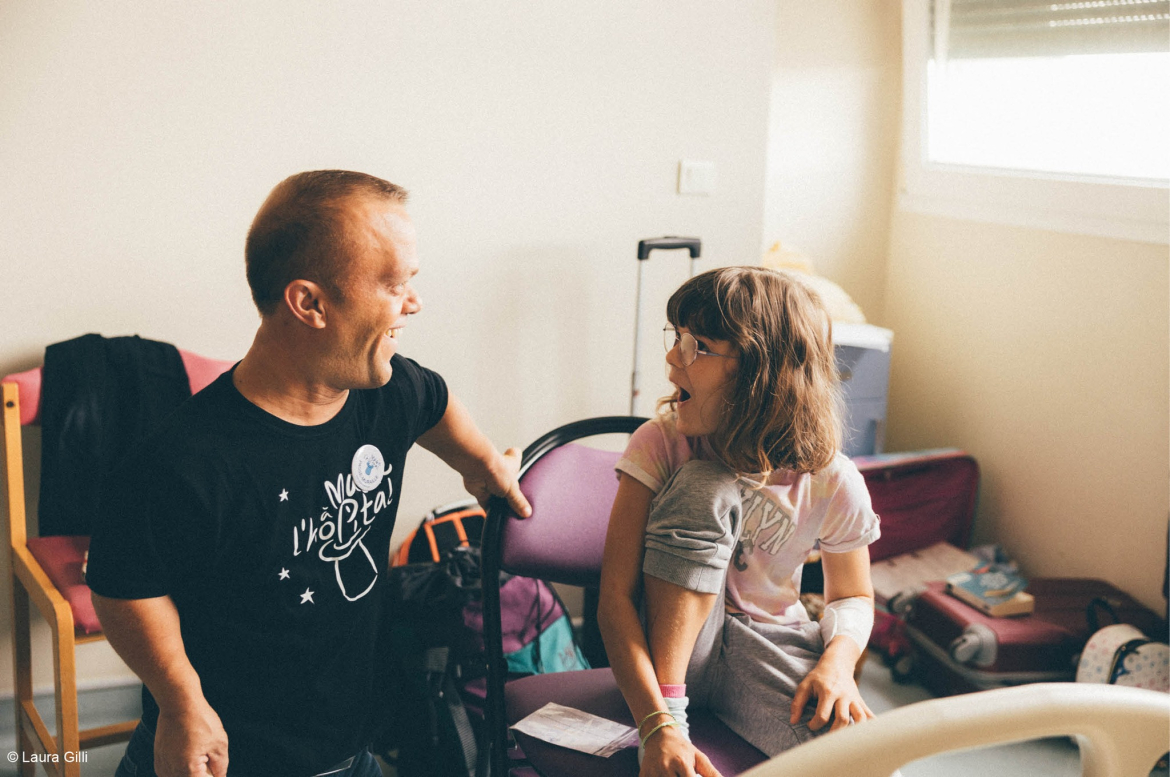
x,y
683,394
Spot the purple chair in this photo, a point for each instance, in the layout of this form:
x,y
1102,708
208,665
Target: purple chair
x,y
571,488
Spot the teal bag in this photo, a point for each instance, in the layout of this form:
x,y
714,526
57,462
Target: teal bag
x,y
554,651
538,636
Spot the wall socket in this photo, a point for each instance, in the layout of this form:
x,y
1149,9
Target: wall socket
x,y
695,177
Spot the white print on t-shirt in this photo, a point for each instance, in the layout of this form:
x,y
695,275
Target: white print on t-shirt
x,y
766,527
340,528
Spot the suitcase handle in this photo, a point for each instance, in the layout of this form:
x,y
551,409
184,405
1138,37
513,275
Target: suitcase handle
x,y
692,244
1091,613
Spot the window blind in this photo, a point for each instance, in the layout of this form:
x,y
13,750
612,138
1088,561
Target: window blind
x,y
977,29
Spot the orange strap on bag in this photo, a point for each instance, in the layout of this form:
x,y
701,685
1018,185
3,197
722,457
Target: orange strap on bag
x,y
441,530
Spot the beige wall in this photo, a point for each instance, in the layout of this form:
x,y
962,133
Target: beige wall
x,y
539,141
1047,356
1043,354
833,138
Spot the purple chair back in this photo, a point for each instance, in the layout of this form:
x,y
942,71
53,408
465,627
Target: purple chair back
x,y
571,489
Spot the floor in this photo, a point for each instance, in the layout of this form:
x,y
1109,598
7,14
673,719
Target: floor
x,y
1039,758
1042,758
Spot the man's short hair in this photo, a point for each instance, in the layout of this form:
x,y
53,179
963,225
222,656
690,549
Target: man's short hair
x,y
299,233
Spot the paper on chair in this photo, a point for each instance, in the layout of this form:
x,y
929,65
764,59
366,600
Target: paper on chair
x,y
578,730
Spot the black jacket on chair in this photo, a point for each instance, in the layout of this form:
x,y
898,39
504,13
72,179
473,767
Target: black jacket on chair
x,y
98,397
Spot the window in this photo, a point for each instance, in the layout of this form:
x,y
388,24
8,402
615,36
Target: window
x,y
1047,114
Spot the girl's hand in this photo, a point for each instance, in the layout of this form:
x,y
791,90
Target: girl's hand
x,y
669,754
831,683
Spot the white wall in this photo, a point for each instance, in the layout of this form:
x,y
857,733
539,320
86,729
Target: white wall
x,y
833,138
539,141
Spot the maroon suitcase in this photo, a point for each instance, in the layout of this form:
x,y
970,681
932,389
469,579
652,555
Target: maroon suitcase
x,y
959,649
922,498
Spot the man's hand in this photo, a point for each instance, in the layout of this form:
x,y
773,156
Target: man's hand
x,y
669,754
500,482
831,683
190,743
190,740
457,441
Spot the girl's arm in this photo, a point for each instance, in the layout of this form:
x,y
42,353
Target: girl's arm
x,y
831,682
621,627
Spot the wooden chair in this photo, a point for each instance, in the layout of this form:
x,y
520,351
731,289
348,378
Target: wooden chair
x,y
47,570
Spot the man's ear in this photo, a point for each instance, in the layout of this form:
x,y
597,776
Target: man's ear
x,y
306,301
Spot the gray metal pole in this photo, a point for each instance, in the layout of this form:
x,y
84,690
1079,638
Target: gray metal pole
x,y
637,328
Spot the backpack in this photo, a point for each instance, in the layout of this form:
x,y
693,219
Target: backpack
x,y
446,527
433,638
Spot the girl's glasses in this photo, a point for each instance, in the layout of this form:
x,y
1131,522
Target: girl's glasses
x,y
689,348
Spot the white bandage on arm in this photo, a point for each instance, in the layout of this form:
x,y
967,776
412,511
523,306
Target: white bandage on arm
x,y
852,617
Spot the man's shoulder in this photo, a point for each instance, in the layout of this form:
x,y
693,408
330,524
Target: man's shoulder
x,y
407,370
408,379
198,426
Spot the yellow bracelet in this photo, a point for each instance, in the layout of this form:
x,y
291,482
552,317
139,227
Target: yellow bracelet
x,y
652,714
654,730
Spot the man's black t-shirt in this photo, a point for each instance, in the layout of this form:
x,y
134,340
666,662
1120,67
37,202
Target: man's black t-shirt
x,y
271,539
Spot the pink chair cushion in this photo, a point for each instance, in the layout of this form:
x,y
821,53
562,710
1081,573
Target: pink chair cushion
x,y
61,558
28,385
202,371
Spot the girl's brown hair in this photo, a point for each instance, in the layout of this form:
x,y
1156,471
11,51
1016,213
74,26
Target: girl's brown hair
x,y
784,408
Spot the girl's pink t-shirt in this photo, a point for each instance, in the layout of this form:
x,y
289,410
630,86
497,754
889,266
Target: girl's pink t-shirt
x,y
782,522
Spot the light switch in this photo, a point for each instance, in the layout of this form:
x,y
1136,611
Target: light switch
x,y
696,177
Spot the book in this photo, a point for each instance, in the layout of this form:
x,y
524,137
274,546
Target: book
x,y
993,592
912,571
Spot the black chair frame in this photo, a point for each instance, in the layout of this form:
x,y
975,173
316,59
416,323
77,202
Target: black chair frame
x,y
493,751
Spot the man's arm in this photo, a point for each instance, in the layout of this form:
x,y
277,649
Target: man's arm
x,y
459,442
190,740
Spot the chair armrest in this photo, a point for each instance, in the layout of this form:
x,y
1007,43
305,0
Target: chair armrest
x,y
29,392
44,594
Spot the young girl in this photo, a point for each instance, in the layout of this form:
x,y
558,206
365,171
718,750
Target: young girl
x,y
721,498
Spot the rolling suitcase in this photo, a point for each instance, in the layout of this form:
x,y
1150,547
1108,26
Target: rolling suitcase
x,y
922,497
959,649
694,247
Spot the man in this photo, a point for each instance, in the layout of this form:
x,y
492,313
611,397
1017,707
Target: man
x,y
238,555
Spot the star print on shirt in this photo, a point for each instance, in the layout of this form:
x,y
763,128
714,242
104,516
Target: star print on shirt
x,y
284,495
284,574
307,596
